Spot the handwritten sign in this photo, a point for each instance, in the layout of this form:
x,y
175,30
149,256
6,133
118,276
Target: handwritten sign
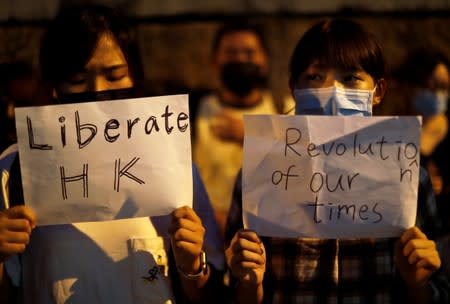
x,y
329,176
105,160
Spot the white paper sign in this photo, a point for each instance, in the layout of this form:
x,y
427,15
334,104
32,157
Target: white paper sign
x,y
330,176
105,160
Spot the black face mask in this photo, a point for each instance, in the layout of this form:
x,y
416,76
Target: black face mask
x,y
242,77
97,96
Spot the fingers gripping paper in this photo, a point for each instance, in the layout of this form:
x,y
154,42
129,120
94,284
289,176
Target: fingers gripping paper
x,y
105,160
330,177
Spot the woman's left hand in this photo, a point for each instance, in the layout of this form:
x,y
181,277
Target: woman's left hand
x,y
186,235
416,258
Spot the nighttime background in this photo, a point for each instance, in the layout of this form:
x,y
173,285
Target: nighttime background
x,y
175,35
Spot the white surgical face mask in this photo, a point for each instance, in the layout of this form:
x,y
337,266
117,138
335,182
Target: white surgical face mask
x,y
428,103
334,101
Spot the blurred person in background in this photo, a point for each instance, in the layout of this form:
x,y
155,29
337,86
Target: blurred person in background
x,y
428,73
240,58
424,76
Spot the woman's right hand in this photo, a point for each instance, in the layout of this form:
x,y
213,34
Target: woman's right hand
x,y
16,225
246,257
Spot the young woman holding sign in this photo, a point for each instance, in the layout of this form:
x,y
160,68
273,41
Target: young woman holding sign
x,y
338,60
89,54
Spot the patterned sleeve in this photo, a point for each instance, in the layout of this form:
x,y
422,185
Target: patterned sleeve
x,y
234,220
427,219
430,224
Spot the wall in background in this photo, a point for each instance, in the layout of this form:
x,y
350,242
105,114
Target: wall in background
x,y
176,48
45,9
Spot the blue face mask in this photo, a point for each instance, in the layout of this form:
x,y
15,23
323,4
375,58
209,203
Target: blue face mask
x,y
333,101
428,103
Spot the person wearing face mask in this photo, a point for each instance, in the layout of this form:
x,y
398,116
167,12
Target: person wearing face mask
x,y
337,68
425,72
429,77
240,59
425,75
89,53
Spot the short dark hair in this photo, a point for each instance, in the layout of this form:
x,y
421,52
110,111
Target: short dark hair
x,y
339,43
238,26
73,35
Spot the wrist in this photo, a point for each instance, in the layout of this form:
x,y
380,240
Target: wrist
x,y
203,269
248,284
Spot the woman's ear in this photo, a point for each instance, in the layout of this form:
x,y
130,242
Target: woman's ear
x,y
379,91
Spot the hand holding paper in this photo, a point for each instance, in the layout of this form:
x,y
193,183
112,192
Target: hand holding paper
x,y
186,234
105,160
416,258
16,225
246,257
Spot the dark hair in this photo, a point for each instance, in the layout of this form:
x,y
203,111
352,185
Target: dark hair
x,y
238,26
73,35
340,43
419,64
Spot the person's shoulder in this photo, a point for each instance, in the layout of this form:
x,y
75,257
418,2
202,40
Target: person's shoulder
x,y
288,105
197,182
7,158
195,172
10,177
280,105
267,97
9,152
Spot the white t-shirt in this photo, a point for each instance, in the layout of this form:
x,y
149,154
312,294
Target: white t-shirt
x,y
121,261
101,262
219,161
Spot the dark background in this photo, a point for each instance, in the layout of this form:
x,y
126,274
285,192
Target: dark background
x,y
175,35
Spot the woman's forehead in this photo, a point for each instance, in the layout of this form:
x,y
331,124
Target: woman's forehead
x,y
324,65
106,53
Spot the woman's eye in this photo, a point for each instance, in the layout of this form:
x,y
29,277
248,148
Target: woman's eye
x,y
314,77
352,78
116,75
77,79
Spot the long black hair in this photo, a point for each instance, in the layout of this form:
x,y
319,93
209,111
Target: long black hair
x,y
73,35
